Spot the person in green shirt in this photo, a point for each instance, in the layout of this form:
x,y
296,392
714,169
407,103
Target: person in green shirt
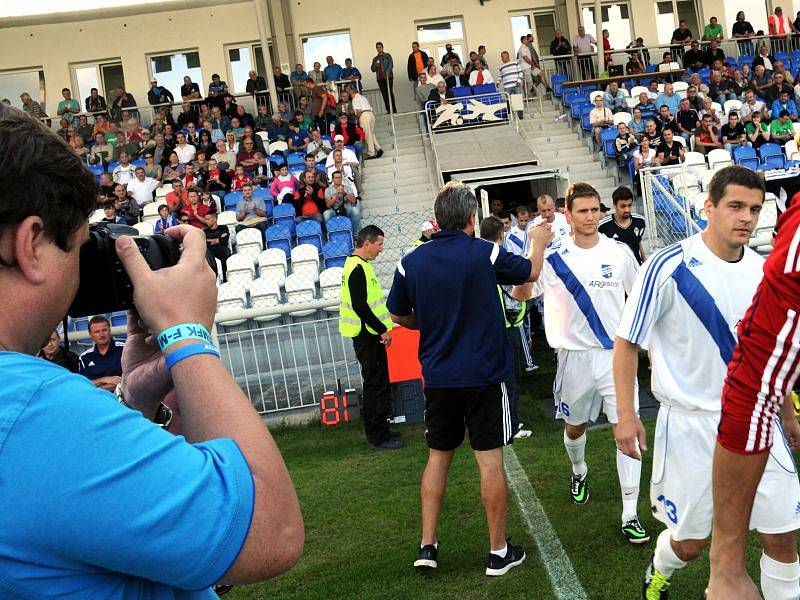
x,y
781,130
757,131
712,31
68,108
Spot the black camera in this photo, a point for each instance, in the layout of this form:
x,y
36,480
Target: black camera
x,y
105,286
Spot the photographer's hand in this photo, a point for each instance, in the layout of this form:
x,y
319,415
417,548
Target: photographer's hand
x,y
145,377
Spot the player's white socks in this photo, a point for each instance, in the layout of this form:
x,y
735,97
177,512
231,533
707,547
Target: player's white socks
x,y
665,560
779,581
576,450
501,552
629,471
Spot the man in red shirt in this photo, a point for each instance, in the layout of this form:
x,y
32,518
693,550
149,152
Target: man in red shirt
x,y
353,134
763,371
176,196
309,200
196,210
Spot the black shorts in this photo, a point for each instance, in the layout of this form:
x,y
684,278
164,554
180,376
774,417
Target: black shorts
x,y
483,411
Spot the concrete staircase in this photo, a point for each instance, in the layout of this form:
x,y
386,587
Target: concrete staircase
x,y
559,146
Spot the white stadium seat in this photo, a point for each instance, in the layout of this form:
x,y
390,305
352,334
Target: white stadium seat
x,y
150,211
250,242
792,153
265,293
732,105
161,192
278,147
622,117
594,94
695,159
231,296
330,286
680,86
97,216
241,270
272,265
719,157
144,228
299,288
636,90
305,261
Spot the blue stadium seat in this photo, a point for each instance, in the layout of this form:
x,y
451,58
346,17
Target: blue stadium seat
x,y
701,223
795,60
296,158
678,224
485,88
704,72
556,82
232,199
340,229
139,162
745,156
325,138
96,170
269,201
335,253
119,319
575,102
280,236
771,156
277,159
309,232
461,91
585,110
783,56
745,59
112,166
284,214
651,68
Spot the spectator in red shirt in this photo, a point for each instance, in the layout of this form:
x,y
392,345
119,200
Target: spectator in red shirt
x,y
195,210
309,200
353,134
177,197
239,179
247,157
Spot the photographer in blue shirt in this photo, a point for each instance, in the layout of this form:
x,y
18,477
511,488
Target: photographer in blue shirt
x,y
97,500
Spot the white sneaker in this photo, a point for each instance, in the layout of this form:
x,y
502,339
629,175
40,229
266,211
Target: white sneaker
x,y
523,433
531,368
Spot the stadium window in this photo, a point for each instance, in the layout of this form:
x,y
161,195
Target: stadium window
x,y
615,17
433,38
317,47
14,83
243,58
170,69
543,30
671,12
105,76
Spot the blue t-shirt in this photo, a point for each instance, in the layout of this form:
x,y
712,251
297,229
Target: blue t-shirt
x,y
94,365
451,285
297,138
301,76
98,502
332,72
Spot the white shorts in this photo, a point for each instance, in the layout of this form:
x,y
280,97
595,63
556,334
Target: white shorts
x,y
584,384
680,487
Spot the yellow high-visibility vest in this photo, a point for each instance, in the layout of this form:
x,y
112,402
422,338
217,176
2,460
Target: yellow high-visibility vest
x,y
349,321
520,315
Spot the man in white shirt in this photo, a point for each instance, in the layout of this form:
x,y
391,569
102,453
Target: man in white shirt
x,y
141,187
349,157
124,171
585,44
184,151
366,120
525,60
685,308
318,148
600,117
585,279
511,75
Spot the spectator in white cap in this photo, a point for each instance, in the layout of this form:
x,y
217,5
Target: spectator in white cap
x,y
428,228
349,157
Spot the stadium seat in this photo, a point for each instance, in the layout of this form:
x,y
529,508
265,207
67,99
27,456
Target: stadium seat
x,y
97,216
265,293
330,286
622,117
796,128
745,59
272,265
299,289
309,232
112,165
277,159
279,147
680,86
150,212
161,193
607,140
585,112
717,107
144,228
593,95
296,158
791,150
232,199
461,91
578,101
695,159
732,105
637,89
119,319
269,202
335,252
240,269
250,243
557,82
96,170
340,229
719,157
139,162
745,156
227,218
284,214
280,237
263,135
305,259
771,156
231,296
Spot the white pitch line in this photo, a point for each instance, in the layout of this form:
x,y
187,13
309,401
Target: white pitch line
x,y
565,582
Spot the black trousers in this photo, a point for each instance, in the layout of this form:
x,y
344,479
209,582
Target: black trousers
x,y
387,91
376,403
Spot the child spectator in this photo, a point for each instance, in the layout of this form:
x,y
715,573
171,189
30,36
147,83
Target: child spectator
x,y
239,179
111,214
284,185
165,220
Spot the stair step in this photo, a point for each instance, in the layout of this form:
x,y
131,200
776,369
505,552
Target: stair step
x,y
401,183
397,192
389,164
387,214
545,156
396,176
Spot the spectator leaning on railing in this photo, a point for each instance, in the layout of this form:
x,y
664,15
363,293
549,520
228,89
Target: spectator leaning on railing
x,y
383,67
511,77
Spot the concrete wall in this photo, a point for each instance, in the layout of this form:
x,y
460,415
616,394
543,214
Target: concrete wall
x,y
54,42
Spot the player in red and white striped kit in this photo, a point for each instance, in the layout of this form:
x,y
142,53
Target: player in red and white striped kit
x,y
763,371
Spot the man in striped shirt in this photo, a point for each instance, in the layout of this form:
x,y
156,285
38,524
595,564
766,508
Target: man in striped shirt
x,y
511,76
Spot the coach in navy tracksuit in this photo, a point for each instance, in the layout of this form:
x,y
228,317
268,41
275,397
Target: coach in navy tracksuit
x,y
465,360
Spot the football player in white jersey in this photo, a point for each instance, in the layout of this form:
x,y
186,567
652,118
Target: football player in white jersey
x,y
685,308
585,279
548,214
515,241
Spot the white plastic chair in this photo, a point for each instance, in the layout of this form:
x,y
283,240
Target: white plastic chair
x,y
681,94
717,107
330,286
792,153
719,157
622,117
299,289
241,270
660,88
263,135
272,265
680,86
305,260
250,242
144,228
231,296
265,294
697,200
227,218
796,128
97,216
732,105
278,147
150,211
636,90
594,94
161,192
680,140
695,159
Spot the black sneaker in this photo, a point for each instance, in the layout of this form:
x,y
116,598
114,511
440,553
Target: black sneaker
x,y
427,558
579,488
380,153
497,566
655,585
389,444
634,531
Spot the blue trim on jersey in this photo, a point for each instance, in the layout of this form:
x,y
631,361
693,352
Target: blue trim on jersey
x,y
703,305
517,242
582,299
650,279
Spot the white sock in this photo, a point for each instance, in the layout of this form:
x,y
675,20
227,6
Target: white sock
x,y
665,560
779,581
629,471
435,545
576,450
502,552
